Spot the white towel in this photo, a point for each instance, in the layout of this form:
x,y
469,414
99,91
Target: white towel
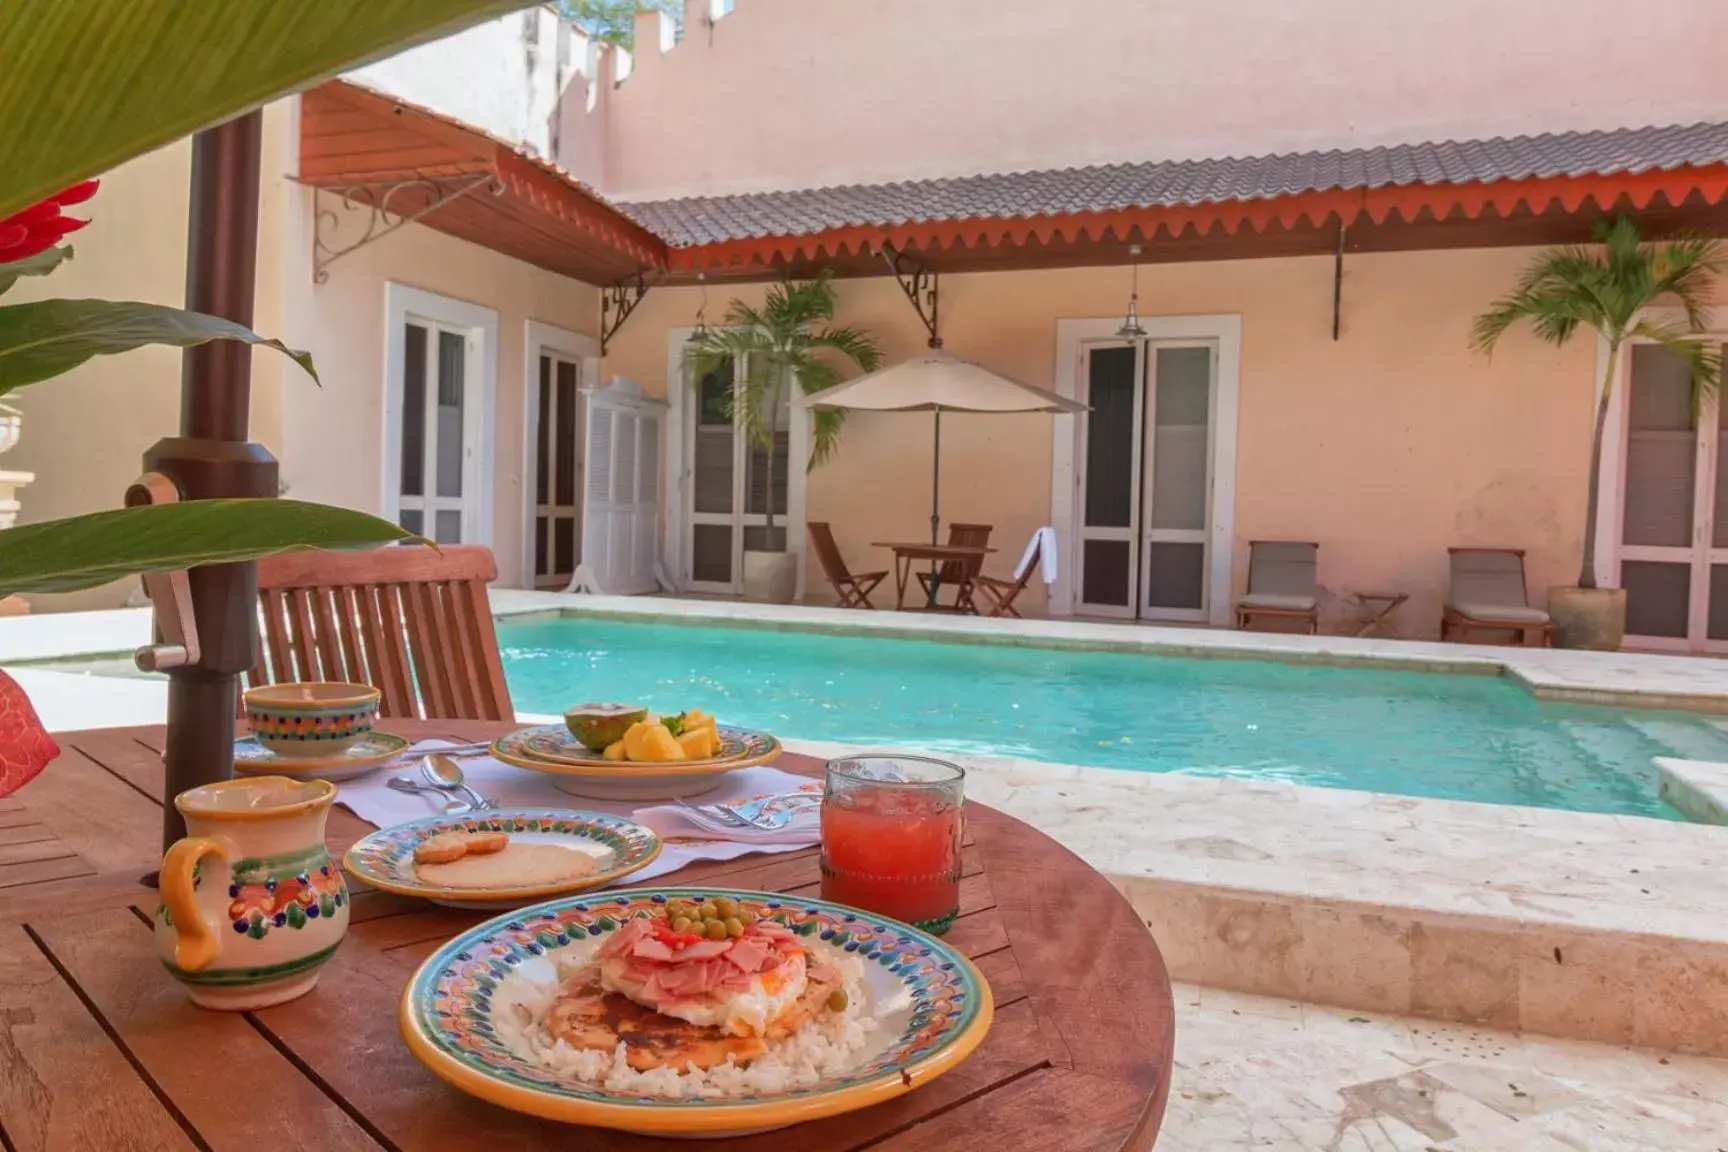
x,y
370,798
1045,537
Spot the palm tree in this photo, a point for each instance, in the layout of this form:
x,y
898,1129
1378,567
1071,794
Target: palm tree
x,y
772,346
1606,289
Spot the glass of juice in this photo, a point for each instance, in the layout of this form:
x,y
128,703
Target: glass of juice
x,y
891,837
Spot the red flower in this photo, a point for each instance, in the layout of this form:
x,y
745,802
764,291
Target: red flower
x,y
25,747
41,226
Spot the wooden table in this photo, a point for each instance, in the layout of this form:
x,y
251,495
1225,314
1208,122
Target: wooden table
x,y
906,554
100,1050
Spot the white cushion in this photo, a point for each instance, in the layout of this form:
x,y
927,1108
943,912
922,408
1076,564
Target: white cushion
x,y
1283,603
1499,613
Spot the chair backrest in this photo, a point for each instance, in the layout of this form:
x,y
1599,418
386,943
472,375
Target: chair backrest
x,y
828,552
412,622
1282,568
1489,576
964,536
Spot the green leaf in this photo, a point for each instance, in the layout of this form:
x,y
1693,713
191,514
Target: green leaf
x,y
87,551
89,84
38,265
45,338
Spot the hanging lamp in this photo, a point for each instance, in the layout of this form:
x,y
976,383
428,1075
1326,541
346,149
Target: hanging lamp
x,y
1131,329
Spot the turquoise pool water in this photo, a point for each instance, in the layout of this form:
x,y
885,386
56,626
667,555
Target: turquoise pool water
x,y
1416,733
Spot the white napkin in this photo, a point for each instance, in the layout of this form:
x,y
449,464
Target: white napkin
x,y
370,798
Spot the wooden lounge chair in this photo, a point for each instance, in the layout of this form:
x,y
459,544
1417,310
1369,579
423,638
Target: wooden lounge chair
x,y
959,574
852,589
1487,594
1282,583
412,622
1001,594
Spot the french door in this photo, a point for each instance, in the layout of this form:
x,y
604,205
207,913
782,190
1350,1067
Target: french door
x,y
729,487
1674,508
1146,479
557,473
438,471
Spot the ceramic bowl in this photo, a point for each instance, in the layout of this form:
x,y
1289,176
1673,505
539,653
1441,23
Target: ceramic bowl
x,y
310,720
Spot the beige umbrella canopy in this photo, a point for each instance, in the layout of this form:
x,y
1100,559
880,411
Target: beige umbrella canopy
x,y
939,382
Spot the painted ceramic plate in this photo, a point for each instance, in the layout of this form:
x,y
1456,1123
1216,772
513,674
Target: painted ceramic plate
x,y
385,859
461,1014
552,749
359,758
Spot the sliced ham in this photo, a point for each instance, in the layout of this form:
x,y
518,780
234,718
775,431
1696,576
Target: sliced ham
x,y
624,939
748,955
648,948
703,950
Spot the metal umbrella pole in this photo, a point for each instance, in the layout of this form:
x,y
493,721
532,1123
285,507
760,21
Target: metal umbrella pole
x,y
935,504
213,457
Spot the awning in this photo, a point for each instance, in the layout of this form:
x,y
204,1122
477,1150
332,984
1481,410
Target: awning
x,y
381,151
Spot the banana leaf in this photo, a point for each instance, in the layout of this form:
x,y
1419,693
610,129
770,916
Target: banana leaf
x,y
87,551
45,338
38,265
88,84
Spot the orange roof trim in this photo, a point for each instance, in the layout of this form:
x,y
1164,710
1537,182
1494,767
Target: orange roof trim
x,y
354,139
1313,209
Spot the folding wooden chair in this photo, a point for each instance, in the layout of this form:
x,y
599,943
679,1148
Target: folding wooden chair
x,y
959,574
852,589
413,622
1001,594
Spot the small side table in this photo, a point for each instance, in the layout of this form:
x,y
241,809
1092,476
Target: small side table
x,y
1382,604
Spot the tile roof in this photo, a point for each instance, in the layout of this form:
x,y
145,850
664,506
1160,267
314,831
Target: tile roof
x,y
698,220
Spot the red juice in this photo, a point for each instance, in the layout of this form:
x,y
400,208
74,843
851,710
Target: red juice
x,y
893,850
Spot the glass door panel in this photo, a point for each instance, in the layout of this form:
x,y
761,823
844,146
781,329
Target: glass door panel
x,y
438,428
1110,504
712,482
557,500
1178,480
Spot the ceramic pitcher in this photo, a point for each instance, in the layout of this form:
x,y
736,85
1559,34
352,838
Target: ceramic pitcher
x,y
252,904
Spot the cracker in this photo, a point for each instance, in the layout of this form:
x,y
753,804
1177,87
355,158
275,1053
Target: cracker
x,y
442,848
518,865
486,843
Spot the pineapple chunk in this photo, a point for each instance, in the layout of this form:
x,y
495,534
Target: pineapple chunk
x,y
615,750
660,745
699,743
696,718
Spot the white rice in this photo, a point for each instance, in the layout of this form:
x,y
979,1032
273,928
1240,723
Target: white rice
x,y
829,1045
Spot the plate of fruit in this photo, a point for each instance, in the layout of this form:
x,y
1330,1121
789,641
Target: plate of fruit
x,y
626,752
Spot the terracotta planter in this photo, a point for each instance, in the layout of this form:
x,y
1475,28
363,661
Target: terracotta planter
x,y
770,577
1593,619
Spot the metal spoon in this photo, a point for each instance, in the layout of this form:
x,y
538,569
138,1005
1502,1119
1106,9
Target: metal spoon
x,y
451,805
445,774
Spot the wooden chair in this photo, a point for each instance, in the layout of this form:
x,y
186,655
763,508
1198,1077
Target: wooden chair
x,y
1487,594
412,622
853,589
1002,593
959,574
1283,583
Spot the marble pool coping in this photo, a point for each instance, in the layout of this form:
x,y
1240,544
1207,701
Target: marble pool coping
x,y
1621,679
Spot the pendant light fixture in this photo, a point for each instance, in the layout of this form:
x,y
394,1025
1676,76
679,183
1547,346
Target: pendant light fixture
x,y
700,333
1131,329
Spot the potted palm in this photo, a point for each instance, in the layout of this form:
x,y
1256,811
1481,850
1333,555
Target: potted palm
x,y
785,343
1607,290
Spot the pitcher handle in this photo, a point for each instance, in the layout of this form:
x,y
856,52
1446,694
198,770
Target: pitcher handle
x,y
195,945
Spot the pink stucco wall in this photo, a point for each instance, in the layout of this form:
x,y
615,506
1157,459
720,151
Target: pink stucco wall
x,y
802,93
1387,446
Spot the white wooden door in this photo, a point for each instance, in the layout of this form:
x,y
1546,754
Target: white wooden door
x,y
729,486
558,472
1673,546
438,478
1176,480
621,498
1110,490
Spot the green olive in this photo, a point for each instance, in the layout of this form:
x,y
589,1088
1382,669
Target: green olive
x,y
716,930
734,927
710,910
681,924
726,905
837,1000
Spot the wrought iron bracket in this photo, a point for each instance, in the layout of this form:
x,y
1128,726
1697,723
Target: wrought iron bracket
x,y
1338,281
922,285
381,218
617,301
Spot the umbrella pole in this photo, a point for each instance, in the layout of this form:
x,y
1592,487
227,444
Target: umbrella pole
x,y
212,457
935,504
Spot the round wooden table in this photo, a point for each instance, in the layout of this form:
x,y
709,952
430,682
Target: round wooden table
x,y
1078,1060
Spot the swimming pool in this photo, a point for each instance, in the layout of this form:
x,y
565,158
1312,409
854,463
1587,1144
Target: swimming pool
x,y
1465,737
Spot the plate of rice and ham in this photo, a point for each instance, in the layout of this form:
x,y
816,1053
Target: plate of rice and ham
x,y
688,1012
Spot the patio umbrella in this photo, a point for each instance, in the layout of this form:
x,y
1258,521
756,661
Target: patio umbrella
x,y
939,382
